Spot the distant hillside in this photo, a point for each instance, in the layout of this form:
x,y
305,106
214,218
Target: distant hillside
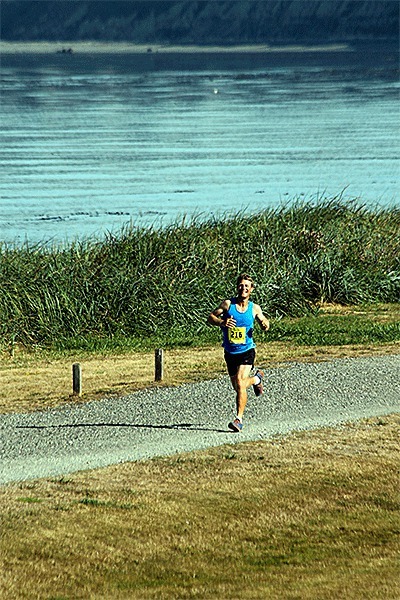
x,y
200,21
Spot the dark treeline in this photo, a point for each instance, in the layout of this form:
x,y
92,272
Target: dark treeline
x,y
200,21
163,282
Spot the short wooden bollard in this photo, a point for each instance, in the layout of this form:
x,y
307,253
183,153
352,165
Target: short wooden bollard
x,y
159,364
76,379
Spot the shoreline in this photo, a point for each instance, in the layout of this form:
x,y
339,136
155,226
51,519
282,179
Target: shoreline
x,y
89,47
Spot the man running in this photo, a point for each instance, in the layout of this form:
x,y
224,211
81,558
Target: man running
x,y
236,319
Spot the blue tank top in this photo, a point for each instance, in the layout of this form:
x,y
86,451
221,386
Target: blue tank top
x,y
240,338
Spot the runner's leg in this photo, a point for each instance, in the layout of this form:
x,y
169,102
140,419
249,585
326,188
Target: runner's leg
x,y
243,381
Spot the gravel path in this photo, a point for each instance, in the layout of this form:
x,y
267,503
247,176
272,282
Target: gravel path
x,y
170,420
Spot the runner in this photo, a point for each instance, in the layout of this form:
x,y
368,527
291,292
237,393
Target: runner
x,y
236,319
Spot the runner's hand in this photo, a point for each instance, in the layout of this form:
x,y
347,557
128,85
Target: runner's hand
x,y
230,322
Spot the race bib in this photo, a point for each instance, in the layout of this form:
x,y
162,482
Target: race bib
x,y
237,335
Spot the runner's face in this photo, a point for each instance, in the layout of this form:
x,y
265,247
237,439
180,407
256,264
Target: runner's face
x,y
244,289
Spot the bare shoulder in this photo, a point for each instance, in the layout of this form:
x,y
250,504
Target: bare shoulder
x,y
222,308
225,305
257,310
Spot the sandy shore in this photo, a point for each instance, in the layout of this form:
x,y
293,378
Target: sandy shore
x,y
127,48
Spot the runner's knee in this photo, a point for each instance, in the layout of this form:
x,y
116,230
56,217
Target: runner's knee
x,y
241,383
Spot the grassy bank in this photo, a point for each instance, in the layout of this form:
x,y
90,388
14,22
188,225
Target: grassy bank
x,y
146,286
312,516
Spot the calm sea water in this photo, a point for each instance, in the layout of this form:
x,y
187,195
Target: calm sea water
x,y
89,144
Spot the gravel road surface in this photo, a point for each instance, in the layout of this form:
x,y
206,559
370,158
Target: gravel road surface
x,y
165,421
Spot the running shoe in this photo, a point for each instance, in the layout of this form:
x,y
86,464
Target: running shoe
x,y
236,426
258,387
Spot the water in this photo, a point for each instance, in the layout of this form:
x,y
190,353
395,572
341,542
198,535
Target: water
x,y
89,144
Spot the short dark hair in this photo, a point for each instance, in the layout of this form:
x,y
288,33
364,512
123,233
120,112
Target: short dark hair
x,y
246,277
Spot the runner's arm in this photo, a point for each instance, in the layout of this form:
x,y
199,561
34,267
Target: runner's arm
x,y
261,318
215,317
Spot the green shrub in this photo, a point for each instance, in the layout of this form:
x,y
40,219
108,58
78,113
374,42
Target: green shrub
x,y
153,282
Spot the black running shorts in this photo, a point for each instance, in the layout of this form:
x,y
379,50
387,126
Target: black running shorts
x,y
233,361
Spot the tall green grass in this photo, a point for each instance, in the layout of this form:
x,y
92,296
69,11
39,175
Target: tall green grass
x,y
161,283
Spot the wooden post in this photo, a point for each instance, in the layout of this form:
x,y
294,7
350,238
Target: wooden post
x,y
77,379
159,364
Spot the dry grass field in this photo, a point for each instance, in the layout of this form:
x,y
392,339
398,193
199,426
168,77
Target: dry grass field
x,y
310,516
